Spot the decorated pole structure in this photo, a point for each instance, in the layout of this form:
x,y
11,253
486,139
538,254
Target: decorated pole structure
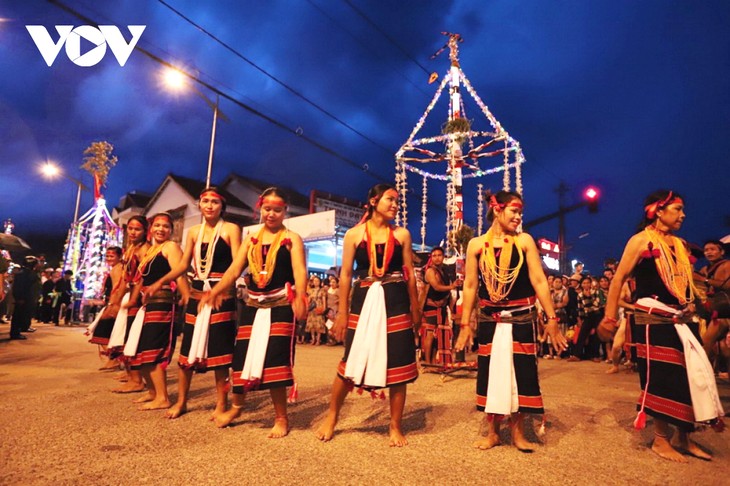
x,y
94,231
461,148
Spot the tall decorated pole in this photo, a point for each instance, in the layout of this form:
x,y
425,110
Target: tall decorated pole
x,y
462,148
95,230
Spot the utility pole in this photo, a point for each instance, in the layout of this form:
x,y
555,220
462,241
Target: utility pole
x,y
591,196
562,190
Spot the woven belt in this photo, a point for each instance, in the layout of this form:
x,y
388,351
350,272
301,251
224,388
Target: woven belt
x,y
524,316
163,296
268,303
198,294
643,318
385,279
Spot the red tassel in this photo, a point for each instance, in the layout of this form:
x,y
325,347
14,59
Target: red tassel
x,y
293,394
382,395
718,425
373,394
640,421
359,391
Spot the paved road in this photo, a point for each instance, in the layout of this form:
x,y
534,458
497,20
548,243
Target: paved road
x,y
60,425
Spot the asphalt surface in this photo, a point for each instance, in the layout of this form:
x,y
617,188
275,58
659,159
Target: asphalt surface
x,y
59,424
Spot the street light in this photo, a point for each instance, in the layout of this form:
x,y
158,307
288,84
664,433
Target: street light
x,y
177,81
51,171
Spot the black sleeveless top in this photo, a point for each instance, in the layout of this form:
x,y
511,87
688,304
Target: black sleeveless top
x,y
107,287
283,271
222,257
434,294
522,287
650,284
362,258
156,269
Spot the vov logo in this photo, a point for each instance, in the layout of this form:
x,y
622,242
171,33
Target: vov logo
x,y
101,37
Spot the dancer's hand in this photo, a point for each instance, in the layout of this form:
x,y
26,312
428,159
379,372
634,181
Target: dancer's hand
x,y
557,339
340,326
466,338
607,329
299,307
151,291
416,317
215,300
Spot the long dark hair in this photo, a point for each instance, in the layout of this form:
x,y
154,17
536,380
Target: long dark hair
x,y
661,199
502,198
143,221
376,192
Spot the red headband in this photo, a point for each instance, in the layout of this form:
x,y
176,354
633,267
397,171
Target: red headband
x,y
651,209
494,204
212,193
270,201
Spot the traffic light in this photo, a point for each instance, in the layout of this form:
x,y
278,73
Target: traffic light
x,y
591,195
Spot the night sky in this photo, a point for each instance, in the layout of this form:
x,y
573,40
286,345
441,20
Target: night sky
x,y
630,96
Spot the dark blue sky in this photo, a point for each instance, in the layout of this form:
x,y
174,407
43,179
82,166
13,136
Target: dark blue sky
x,y
629,96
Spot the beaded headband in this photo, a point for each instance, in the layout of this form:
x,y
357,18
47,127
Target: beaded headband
x,y
651,209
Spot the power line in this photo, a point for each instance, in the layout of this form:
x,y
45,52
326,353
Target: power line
x,y
295,131
274,78
385,34
361,43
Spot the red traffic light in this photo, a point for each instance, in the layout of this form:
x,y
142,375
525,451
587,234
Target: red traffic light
x,y
591,194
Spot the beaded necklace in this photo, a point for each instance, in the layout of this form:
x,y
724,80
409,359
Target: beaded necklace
x,y
130,261
497,276
375,270
202,264
144,268
263,270
673,264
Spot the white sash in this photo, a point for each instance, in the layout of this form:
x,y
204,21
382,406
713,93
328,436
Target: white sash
x,y
116,339
502,394
199,344
253,366
706,403
130,349
702,386
90,328
368,356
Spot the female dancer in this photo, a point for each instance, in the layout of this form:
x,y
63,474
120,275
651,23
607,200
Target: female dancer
x,y
137,247
503,277
210,248
264,352
666,339
151,342
316,317
379,344
113,292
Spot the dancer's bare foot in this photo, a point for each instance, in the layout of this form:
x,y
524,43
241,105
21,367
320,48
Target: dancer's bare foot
x,y
488,442
220,409
148,397
110,366
224,419
326,431
176,410
156,404
397,439
121,377
280,428
129,388
612,370
521,443
664,449
691,448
